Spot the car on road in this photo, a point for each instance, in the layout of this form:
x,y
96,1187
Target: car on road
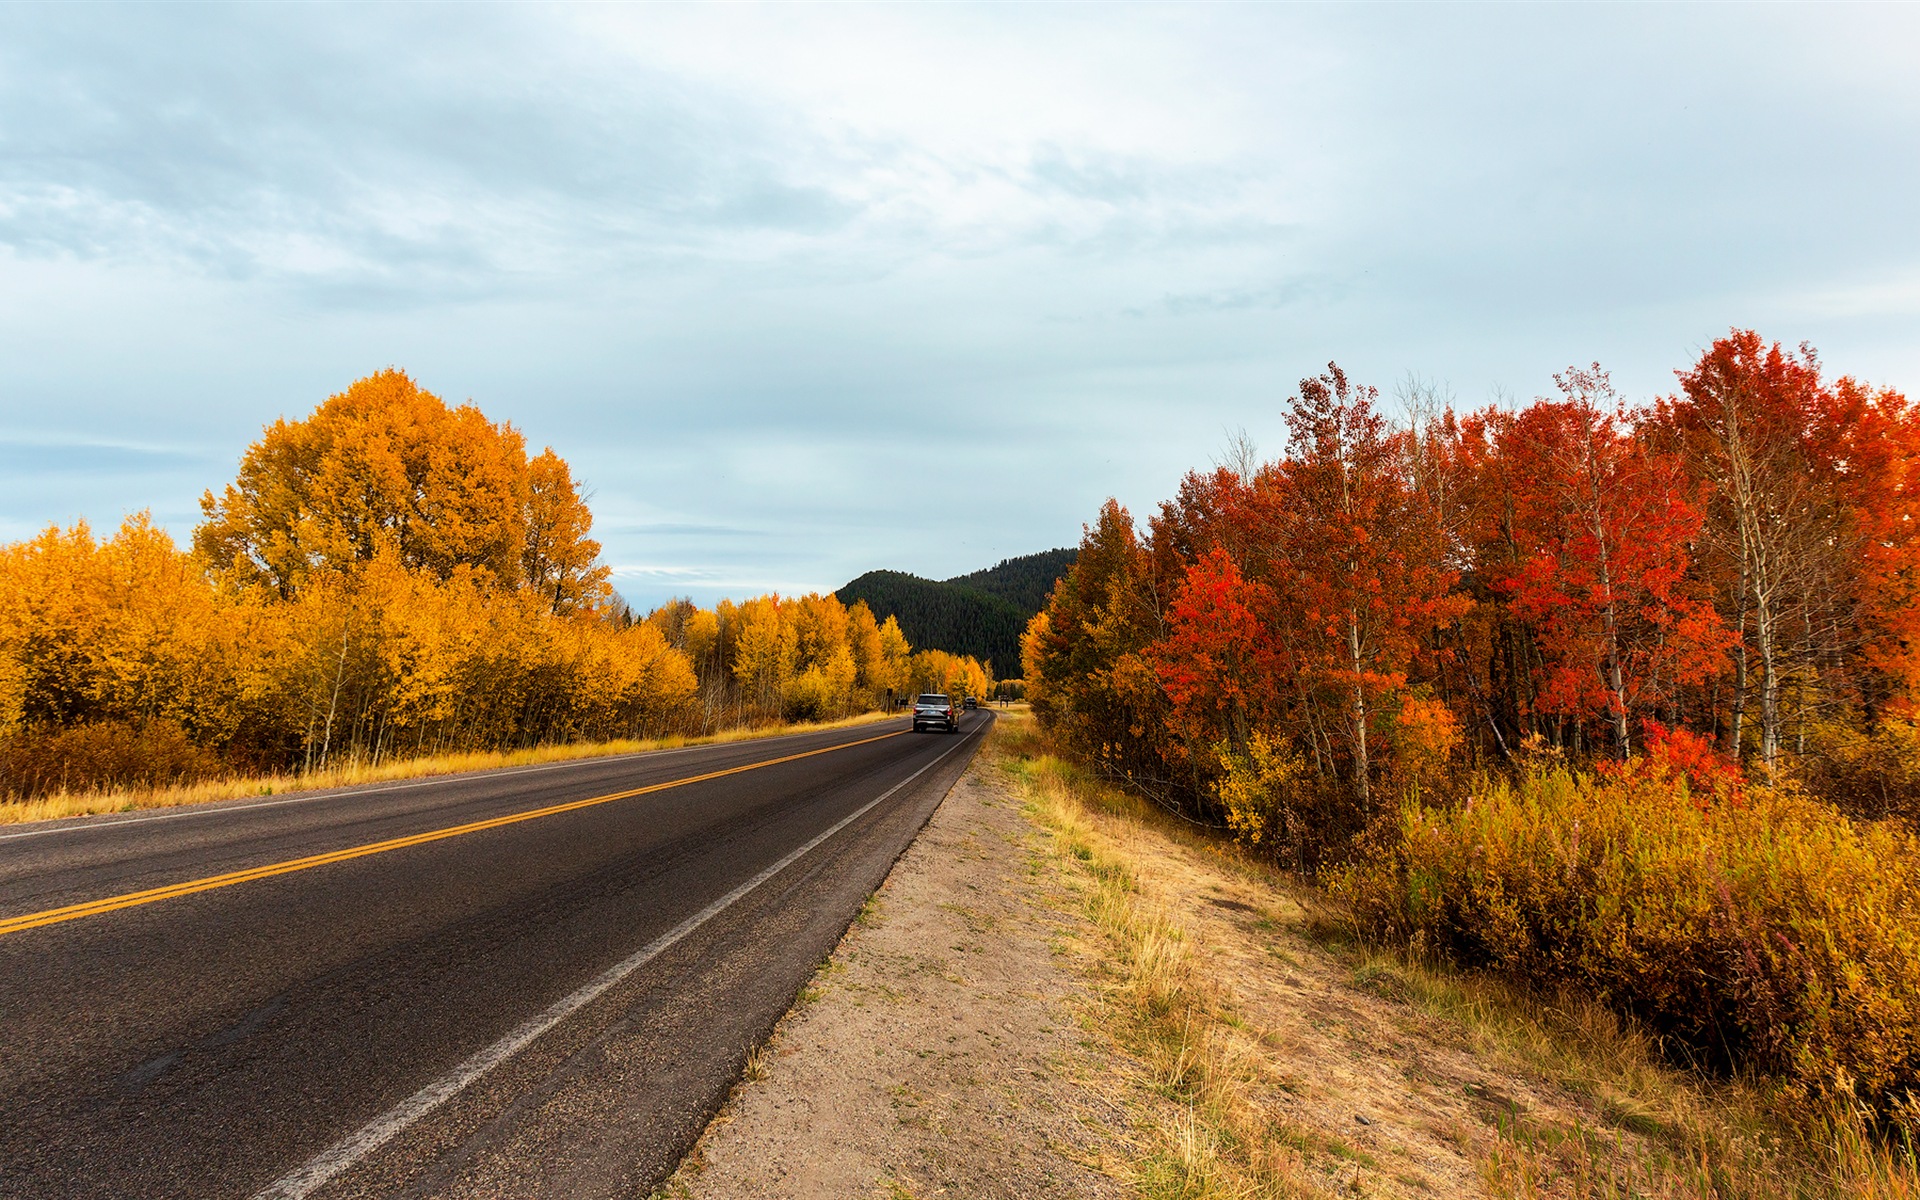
x,y
971,703
933,708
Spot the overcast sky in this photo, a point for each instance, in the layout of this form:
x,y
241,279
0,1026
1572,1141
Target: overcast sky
x,y
800,292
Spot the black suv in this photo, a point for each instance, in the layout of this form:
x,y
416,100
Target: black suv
x,y
933,708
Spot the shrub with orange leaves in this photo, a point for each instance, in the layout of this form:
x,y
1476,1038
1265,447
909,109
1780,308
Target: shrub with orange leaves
x,y
1685,755
1424,737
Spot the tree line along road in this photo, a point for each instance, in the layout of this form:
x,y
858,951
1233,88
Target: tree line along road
x,y
537,981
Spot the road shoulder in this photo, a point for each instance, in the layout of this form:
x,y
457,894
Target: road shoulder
x,y
940,1050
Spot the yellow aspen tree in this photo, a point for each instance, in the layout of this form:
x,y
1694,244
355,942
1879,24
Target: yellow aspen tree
x,y
384,464
560,561
896,656
820,628
702,634
766,651
869,657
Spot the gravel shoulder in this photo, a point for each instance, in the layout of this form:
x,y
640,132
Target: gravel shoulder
x,y
941,1050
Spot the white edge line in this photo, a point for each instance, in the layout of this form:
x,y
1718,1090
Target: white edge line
x,y
212,808
322,1167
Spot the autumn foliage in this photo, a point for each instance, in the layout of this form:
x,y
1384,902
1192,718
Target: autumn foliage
x,y
1593,692
1771,933
389,577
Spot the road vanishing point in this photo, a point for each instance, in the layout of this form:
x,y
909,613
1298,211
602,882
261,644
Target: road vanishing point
x,y
531,982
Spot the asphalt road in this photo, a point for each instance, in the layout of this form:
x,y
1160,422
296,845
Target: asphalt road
x,y
273,998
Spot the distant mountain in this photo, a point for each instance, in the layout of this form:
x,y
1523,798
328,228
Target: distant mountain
x,y
943,616
982,614
1023,582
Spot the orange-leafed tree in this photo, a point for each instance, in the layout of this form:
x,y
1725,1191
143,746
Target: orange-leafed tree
x,y
384,465
1086,665
561,562
1364,559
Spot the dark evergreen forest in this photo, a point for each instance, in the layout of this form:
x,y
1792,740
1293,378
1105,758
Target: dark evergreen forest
x,y
1023,582
981,614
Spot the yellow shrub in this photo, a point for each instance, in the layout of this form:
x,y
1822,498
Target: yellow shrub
x,y
1275,802
1866,773
1768,931
1254,789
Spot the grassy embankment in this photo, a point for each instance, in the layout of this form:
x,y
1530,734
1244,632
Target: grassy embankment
x,y
1602,1114
355,774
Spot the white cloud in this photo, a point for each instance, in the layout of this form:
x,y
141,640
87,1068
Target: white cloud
x,y
1896,296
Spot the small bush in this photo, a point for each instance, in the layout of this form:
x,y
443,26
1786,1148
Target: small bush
x,y
1868,773
101,755
1275,804
1756,927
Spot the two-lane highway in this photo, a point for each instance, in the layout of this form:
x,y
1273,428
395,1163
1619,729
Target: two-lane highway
x,y
531,982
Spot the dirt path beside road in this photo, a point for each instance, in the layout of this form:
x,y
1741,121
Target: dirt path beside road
x,y
938,1053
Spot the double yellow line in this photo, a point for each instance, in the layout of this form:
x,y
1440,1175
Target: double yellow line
x,y
93,908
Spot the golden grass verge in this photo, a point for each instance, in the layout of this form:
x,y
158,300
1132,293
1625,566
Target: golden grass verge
x,y
1657,1133
1221,1142
1661,1134
355,774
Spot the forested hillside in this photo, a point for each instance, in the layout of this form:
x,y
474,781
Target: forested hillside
x,y
980,615
943,615
1023,582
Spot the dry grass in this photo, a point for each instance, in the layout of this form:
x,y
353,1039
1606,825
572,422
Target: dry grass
x,y
1609,1117
1222,1142
76,804
1661,1134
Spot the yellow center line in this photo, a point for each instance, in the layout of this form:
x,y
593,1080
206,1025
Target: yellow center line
x,y
90,908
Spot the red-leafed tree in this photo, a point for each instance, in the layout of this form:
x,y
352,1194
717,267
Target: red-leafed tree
x,y
1865,444
1774,521
1218,663
1740,562
1364,559
1603,524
